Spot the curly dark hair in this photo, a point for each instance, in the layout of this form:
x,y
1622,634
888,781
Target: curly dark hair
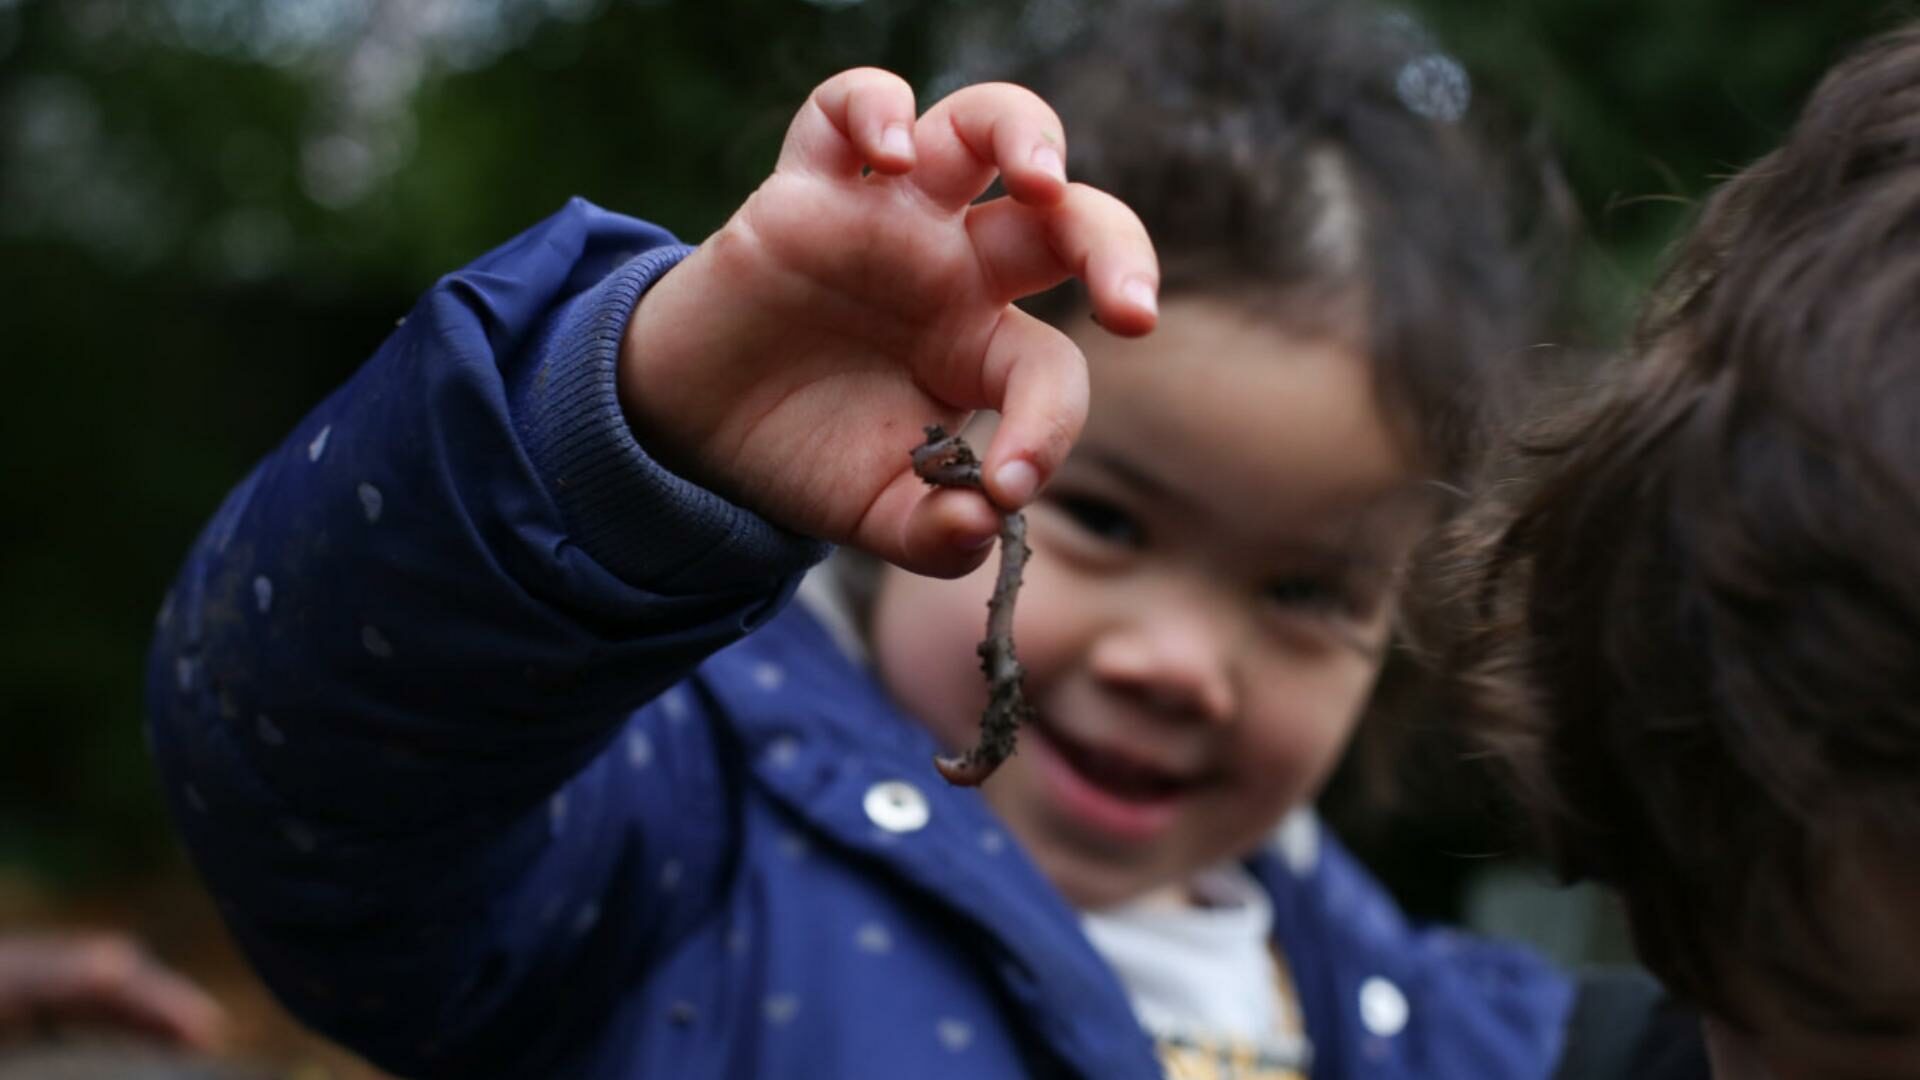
x,y
1328,163
1692,624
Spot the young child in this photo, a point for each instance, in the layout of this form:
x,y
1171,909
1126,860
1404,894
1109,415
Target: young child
x,y
1699,635
483,710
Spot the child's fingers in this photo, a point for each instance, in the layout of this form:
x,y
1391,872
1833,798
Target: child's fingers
x,y
1037,379
949,531
1108,248
1090,235
858,118
989,129
941,532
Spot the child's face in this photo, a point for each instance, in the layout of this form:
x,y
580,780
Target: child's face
x,y
1205,610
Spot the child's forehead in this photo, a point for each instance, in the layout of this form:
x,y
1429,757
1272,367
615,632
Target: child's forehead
x,y
1223,355
1242,435
1219,397
1358,520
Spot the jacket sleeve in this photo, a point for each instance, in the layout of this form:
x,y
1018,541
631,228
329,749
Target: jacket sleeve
x,y
394,684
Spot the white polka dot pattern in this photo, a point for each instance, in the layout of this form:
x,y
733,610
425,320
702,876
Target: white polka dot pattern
x,y
873,938
371,501
783,752
674,705
639,749
954,1034
781,1009
585,919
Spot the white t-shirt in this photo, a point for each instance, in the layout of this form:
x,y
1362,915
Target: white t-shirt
x,y
1205,981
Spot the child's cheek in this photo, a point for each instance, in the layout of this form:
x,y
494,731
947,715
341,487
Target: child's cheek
x,y
925,632
1300,717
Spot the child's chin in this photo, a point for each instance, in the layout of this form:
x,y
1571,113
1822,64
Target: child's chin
x,y
1090,883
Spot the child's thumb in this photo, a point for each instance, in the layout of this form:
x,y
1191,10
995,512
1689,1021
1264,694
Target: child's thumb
x,y
1036,378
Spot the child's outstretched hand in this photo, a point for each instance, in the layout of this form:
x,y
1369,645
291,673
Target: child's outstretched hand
x,y
791,361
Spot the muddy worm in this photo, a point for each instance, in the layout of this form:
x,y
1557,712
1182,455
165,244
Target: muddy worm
x,y
947,461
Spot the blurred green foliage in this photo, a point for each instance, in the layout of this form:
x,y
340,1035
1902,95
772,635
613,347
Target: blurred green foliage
x,y
210,210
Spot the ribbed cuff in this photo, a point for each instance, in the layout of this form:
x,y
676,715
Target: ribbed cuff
x,y
649,526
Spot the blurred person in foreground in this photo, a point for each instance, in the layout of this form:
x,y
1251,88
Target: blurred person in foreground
x,y
1695,621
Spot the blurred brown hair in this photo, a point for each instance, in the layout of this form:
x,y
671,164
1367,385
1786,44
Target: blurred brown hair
x,y
1691,625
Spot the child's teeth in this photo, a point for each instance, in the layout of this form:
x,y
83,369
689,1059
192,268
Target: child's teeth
x,y
1116,774
1127,778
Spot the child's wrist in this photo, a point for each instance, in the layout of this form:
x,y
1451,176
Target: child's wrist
x,y
665,369
626,507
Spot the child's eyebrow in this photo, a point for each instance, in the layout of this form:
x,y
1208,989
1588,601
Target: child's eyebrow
x,y
1349,552
1139,478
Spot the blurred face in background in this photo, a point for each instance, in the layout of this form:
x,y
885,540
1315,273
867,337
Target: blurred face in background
x,y
1205,610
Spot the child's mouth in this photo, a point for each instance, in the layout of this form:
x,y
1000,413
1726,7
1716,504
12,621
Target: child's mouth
x,y
1122,798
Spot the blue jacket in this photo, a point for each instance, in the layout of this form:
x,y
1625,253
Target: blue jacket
x,y
503,754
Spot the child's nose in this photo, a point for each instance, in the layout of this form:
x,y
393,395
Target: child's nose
x,y
1174,656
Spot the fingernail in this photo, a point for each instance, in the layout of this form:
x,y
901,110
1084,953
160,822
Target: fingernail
x,y
1048,160
897,141
974,543
1141,294
1017,480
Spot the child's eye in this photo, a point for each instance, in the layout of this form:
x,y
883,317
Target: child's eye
x,y
1313,595
1102,520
